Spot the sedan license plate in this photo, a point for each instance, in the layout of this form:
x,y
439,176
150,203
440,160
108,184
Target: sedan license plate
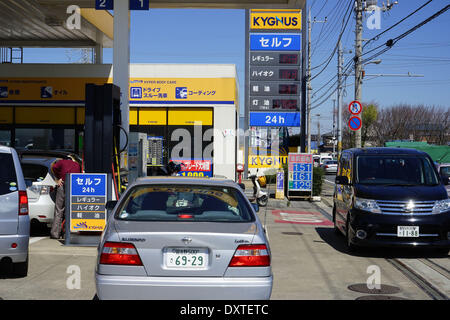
x,y
407,231
186,258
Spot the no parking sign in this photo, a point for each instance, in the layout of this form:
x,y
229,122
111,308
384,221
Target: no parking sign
x,y
355,123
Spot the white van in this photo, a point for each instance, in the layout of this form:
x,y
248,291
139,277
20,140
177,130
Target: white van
x,y
14,219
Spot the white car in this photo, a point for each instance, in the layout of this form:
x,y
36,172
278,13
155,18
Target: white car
x,y
330,166
41,185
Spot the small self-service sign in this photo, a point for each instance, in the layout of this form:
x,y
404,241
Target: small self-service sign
x,y
88,197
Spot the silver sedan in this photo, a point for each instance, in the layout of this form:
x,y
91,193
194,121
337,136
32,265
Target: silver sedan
x,y
330,166
184,238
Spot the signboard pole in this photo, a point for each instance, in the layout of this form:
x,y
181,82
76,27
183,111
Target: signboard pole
x,y
246,95
121,61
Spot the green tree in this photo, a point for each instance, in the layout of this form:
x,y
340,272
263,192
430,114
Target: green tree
x,y
369,117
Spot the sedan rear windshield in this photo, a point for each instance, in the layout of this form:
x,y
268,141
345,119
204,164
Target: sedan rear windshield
x,y
184,203
396,170
8,179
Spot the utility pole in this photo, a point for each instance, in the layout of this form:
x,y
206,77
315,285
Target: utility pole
x,y
359,9
339,98
308,79
334,128
308,84
357,60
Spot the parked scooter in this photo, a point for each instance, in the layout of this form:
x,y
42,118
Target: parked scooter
x,y
260,196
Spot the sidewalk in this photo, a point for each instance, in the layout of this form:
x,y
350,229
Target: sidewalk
x,y
276,203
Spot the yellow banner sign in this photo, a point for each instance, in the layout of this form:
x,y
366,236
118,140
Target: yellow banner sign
x,y
182,90
266,161
276,20
77,225
141,91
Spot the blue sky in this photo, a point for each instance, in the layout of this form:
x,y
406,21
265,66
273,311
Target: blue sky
x,y
218,36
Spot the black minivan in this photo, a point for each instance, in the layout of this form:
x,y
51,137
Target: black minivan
x,y
390,197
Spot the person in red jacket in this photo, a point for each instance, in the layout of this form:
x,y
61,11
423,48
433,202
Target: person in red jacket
x,y
60,168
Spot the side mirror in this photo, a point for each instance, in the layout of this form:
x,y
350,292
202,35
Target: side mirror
x,y
342,180
111,204
242,186
446,180
255,206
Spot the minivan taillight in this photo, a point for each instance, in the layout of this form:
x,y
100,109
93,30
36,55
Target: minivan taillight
x,y
119,253
253,255
23,203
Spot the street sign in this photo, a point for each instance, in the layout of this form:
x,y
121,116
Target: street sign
x,y
355,123
88,196
355,107
275,119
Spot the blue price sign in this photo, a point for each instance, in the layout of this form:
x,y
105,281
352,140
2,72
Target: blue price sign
x,y
275,42
87,184
104,4
139,4
300,172
275,119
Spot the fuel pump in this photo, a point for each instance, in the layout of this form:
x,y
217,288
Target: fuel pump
x,y
102,132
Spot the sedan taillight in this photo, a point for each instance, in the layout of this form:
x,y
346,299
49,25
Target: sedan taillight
x,y
255,255
23,203
119,253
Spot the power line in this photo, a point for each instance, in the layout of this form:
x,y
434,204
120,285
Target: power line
x,y
396,24
329,27
328,60
391,42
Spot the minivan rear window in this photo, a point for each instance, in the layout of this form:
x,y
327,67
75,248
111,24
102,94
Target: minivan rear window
x,y
8,178
184,203
395,170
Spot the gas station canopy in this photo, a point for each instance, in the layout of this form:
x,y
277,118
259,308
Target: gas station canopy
x,y
42,23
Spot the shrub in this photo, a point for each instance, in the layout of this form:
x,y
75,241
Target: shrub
x,y
318,174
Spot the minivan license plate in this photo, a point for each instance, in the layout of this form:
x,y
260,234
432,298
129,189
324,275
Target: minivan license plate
x,y
408,231
186,258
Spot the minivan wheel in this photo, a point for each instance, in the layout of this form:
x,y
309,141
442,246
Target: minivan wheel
x,y
21,269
